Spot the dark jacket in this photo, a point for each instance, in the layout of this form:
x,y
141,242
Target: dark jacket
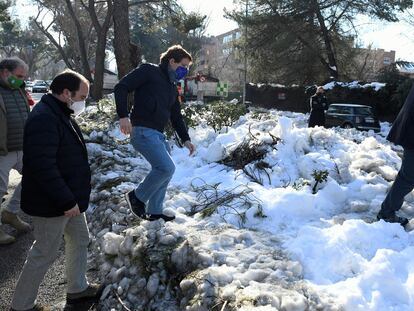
x,y
56,173
155,99
318,105
402,130
14,109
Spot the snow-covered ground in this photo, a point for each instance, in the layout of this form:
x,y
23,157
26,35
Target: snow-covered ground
x,y
279,243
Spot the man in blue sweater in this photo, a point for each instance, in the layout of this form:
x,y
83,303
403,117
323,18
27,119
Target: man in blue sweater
x,y
155,103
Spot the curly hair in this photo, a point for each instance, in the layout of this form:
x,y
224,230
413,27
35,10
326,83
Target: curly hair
x,y
177,52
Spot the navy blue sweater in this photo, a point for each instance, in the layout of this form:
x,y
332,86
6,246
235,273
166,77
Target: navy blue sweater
x,y
155,99
402,130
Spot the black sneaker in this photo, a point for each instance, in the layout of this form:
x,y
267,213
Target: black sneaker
x,y
137,207
153,217
92,292
393,218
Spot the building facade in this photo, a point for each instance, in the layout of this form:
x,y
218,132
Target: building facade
x,y
221,58
371,61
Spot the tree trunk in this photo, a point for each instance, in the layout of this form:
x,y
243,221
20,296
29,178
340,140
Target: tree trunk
x,y
332,66
285,24
86,69
56,44
97,89
102,31
125,52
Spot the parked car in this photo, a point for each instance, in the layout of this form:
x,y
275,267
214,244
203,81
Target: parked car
x,y
344,115
28,85
40,86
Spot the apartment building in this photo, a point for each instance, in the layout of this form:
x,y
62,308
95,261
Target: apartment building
x,y
371,61
221,57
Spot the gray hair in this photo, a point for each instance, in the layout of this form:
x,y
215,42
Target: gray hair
x,y
11,63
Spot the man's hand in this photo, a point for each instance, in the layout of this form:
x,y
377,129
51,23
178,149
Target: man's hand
x,y
74,211
125,126
189,145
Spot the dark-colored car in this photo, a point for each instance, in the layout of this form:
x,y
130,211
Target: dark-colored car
x,y
40,87
360,117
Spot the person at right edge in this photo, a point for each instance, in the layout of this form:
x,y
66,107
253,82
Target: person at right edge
x,y
155,103
401,133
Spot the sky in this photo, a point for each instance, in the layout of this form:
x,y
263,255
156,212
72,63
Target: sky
x,y
389,36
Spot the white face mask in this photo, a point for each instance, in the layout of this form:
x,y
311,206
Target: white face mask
x,y
78,107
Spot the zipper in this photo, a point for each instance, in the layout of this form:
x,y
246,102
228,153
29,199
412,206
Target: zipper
x,y
77,135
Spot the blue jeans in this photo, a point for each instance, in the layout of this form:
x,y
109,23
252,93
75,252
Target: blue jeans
x,y
403,184
153,146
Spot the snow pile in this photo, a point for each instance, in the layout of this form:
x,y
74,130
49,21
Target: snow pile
x,y
354,85
292,229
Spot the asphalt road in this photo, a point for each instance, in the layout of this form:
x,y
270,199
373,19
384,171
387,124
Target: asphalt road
x,y
36,96
12,257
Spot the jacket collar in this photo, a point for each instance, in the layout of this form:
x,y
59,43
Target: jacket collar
x,y
164,70
55,104
63,112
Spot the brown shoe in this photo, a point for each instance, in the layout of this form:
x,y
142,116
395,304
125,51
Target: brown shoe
x,y
14,221
93,292
37,307
5,238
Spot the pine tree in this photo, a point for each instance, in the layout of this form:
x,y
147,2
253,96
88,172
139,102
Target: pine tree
x,y
310,38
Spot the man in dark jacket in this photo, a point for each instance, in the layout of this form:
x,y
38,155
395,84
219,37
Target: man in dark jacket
x,y
401,133
55,191
318,105
14,110
156,103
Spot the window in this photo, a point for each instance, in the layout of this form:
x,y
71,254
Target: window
x,y
363,111
340,109
387,60
333,109
227,39
346,110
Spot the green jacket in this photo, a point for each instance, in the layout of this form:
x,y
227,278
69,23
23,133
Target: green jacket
x,y
3,119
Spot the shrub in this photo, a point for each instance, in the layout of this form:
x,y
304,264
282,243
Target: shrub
x,y
320,177
221,114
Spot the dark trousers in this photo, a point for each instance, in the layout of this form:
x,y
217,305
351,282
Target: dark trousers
x,y
402,185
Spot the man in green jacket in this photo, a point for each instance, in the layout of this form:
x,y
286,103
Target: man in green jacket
x,y
14,110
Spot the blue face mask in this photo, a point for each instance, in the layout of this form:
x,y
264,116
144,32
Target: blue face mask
x,y
181,72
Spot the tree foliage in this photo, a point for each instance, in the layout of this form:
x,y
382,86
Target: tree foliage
x,y
27,43
314,38
78,31
156,26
